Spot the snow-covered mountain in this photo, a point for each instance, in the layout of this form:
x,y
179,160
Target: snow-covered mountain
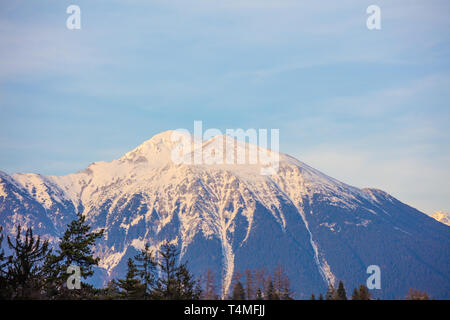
x,y
228,217
442,216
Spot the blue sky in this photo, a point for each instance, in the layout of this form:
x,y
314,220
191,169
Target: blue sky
x,y
370,108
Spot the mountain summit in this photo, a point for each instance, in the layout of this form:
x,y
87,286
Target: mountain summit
x,y
228,217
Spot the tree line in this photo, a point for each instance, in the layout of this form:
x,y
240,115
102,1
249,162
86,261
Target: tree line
x,y
34,270
259,284
363,293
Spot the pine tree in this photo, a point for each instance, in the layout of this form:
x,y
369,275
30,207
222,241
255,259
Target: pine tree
x,y
286,294
131,287
4,288
330,295
361,294
282,284
271,294
259,295
210,289
340,293
414,294
2,254
238,292
355,295
75,248
112,291
364,293
260,280
146,267
165,288
24,276
197,293
249,284
175,282
186,287
278,280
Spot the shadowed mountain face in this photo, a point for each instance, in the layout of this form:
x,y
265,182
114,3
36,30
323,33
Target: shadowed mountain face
x,y
230,217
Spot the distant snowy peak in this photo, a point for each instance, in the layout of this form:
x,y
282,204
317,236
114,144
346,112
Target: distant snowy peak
x,y
150,168
442,216
167,150
155,150
228,216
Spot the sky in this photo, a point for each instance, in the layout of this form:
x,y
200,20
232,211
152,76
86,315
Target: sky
x,y
368,107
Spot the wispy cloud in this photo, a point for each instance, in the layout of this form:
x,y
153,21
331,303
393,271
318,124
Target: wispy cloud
x,y
357,104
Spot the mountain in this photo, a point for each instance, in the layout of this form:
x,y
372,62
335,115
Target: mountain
x,y
229,217
442,216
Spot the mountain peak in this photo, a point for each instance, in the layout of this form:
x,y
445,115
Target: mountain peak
x,y
228,217
160,144
162,136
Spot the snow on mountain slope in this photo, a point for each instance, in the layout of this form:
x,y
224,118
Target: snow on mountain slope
x,y
228,217
18,207
442,216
